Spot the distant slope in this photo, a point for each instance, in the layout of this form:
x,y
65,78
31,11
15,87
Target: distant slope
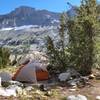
x,y
28,16
33,35
28,26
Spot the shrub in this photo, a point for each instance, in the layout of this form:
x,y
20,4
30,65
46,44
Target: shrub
x,y
4,57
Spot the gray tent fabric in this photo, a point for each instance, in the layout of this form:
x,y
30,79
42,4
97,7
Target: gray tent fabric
x,y
28,72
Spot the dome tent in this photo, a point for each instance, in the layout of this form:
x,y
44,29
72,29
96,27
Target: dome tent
x,y
31,72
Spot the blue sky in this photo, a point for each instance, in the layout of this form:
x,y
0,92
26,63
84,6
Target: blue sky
x,y
52,5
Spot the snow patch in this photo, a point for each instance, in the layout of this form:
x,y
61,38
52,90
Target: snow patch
x,y
23,27
6,29
55,21
48,16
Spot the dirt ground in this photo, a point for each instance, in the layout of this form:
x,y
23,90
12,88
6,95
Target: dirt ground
x,y
59,92
90,91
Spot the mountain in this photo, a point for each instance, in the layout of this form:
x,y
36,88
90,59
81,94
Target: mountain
x,y
28,16
17,38
29,26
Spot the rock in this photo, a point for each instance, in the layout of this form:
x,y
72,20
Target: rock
x,y
34,56
38,92
92,76
78,82
9,83
73,83
29,88
48,93
81,97
73,73
19,90
12,88
5,84
86,79
71,97
43,88
69,74
73,78
7,92
72,90
26,62
5,77
16,83
15,88
64,76
12,58
24,92
0,81
78,97
97,97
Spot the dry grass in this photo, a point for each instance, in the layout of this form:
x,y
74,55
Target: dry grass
x,y
9,69
57,92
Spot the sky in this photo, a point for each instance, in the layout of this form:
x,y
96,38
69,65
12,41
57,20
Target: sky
x,y
7,6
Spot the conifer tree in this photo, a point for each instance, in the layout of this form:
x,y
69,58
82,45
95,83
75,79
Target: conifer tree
x,y
57,51
82,34
84,43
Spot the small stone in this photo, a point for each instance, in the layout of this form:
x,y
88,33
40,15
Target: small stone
x,y
97,97
48,93
19,91
16,83
24,92
75,86
29,88
38,92
81,97
0,81
71,97
72,83
91,76
72,90
64,76
7,92
78,97
43,88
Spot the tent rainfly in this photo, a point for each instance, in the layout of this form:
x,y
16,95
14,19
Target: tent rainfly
x,y
31,73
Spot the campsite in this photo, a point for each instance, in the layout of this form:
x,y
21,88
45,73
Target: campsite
x,y
50,50
32,81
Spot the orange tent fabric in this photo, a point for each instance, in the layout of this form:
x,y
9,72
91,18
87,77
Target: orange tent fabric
x,y
31,72
15,75
42,75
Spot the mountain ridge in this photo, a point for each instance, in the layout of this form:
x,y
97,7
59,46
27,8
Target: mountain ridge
x,y
25,15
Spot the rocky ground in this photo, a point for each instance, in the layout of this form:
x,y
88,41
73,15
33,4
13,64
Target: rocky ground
x,y
58,90
59,93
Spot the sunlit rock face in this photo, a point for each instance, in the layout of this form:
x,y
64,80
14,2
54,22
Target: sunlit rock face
x,y
29,16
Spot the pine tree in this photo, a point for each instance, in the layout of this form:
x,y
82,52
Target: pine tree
x,y
82,34
57,51
84,44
